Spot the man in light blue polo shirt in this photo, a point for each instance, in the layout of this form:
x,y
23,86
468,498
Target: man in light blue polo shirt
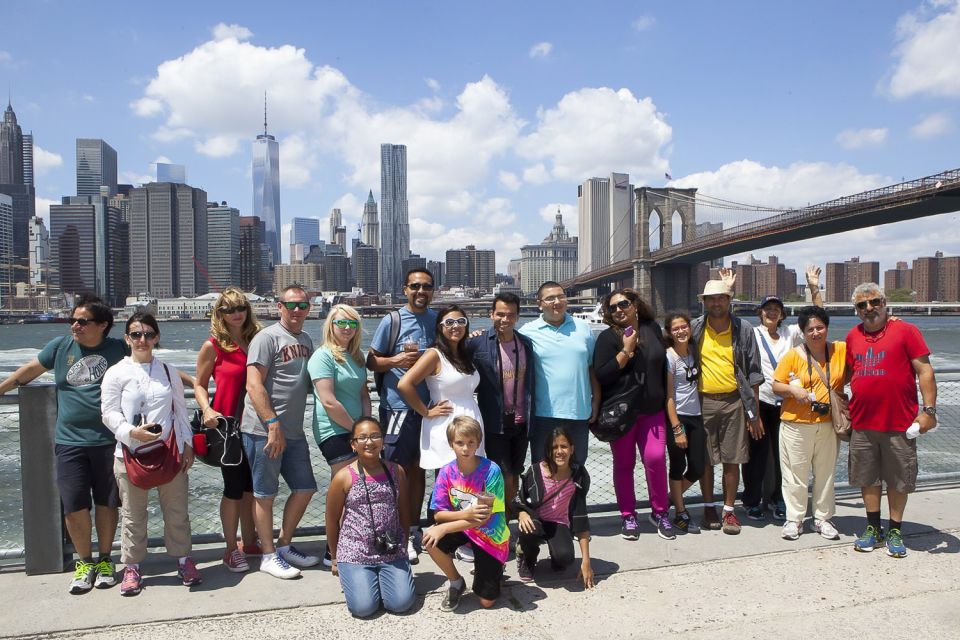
x,y
568,394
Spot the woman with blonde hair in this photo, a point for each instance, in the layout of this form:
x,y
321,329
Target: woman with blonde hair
x,y
340,394
224,357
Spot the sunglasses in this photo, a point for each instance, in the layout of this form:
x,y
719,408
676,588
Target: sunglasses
x,y
876,302
231,310
454,322
417,286
303,306
346,324
80,321
136,335
552,299
372,437
622,306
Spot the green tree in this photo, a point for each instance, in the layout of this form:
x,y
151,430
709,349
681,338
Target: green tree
x,y
899,295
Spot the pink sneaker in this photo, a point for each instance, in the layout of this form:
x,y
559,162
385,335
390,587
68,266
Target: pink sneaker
x,y
235,561
132,583
189,573
250,549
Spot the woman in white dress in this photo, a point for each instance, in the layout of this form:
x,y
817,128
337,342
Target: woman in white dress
x,y
451,379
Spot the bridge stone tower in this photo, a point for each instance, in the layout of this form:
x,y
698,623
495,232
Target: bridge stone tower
x,y
672,285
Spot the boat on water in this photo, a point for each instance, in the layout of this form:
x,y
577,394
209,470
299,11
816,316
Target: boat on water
x,y
593,316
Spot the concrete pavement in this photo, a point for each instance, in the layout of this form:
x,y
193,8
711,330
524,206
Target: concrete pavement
x,y
746,586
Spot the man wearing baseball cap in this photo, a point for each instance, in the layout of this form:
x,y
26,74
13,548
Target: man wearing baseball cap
x,y
730,379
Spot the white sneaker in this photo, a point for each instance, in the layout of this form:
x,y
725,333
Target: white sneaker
x,y
412,556
278,567
791,530
298,559
465,553
826,529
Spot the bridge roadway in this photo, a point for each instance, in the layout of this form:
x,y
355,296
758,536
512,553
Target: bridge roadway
x,y
928,196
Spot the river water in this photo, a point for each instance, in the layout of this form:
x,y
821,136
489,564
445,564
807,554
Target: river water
x,y
180,341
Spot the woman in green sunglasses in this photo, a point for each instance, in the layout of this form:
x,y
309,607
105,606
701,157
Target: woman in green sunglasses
x,y
340,393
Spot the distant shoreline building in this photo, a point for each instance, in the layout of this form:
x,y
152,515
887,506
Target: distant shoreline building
x,y
370,223
394,221
266,187
555,258
606,222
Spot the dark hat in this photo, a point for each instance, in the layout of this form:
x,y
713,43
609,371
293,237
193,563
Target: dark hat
x,y
767,299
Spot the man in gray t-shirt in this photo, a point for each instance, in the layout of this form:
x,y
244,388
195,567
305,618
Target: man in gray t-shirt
x,y
272,426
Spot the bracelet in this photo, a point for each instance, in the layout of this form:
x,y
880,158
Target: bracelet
x,y
626,353
678,429
273,420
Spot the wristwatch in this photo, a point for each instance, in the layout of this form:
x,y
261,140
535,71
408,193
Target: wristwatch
x,y
930,411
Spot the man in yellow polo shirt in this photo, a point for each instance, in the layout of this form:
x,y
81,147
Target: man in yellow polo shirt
x,y
730,379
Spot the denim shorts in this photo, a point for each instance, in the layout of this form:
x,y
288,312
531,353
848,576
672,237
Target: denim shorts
x,y
293,464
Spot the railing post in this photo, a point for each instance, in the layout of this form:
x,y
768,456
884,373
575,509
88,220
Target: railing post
x,y
43,532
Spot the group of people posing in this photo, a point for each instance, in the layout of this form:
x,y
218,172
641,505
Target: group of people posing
x,y
469,407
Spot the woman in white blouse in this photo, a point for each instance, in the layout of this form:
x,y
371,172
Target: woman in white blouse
x,y
140,393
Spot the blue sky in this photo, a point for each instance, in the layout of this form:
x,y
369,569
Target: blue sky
x,y
505,106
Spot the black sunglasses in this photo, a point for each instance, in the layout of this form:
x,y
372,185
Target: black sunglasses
x,y
417,286
876,302
80,321
622,305
230,310
136,335
296,305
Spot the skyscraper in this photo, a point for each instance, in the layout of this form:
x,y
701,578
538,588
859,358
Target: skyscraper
x,y
305,231
471,267
605,208
395,225
370,223
175,173
555,258
96,167
39,252
11,148
336,220
366,261
254,273
7,278
266,186
16,181
73,245
28,158
223,246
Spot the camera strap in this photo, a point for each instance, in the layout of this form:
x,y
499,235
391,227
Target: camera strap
x,y
813,364
363,480
516,370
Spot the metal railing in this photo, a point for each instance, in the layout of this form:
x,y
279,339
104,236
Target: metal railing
x,y
939,457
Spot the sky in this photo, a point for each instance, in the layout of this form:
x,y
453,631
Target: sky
x,y
505,107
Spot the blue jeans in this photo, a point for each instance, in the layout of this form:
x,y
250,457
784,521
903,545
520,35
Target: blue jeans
x,y
578,430
365,586
293,464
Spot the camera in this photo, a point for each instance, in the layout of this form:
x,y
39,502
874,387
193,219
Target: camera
x,y
385,543
693,373
821,408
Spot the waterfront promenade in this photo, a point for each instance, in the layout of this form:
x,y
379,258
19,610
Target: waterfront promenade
x,y
708,585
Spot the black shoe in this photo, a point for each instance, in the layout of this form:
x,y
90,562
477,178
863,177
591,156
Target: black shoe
x,y
452,599
524,569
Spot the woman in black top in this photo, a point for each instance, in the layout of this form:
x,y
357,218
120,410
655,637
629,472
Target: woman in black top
x,y
631,355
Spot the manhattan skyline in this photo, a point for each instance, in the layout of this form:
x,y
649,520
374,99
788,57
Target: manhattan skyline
x,y
501,127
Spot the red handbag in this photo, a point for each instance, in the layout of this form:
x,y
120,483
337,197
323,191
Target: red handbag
x,y
157,463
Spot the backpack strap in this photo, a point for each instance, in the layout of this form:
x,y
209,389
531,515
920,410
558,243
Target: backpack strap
x,y
394,335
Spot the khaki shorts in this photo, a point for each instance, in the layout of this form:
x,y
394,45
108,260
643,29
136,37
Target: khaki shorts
x,y
726,428
887,456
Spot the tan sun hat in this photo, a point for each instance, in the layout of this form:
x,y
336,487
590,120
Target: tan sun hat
x,y
715,288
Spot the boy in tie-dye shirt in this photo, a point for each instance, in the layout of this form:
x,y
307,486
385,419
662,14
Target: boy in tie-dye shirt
x,y
463,518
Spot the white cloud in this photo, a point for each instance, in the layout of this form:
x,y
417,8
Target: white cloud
x,y
432,241
352,209
218,146
569,213
432,84
161,160
536,174
297,159
42,208
44,160
135,178
643,23
928,51
224,31
932,126
594,131
861,138
6,60
509,180
541,50
88,98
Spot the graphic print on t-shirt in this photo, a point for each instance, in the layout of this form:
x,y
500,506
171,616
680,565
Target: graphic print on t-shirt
x,y
870,363
87,370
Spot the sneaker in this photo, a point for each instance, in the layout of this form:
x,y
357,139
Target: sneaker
x,y
869,539
779,511
731,525
826,529
278,567
187,572
710,521
755,513
895,546
235,561
298,559
524,569
791,530
683,523
106,571
629,530
327,558
132,583
412,555
250,549
83,577
452,598
464,553
664,529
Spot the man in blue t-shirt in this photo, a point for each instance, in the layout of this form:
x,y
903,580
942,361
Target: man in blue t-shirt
x,y
84,446
414,332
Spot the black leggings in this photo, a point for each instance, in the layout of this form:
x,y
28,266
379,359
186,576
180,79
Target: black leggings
x,y
760,452
559,541
688,463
